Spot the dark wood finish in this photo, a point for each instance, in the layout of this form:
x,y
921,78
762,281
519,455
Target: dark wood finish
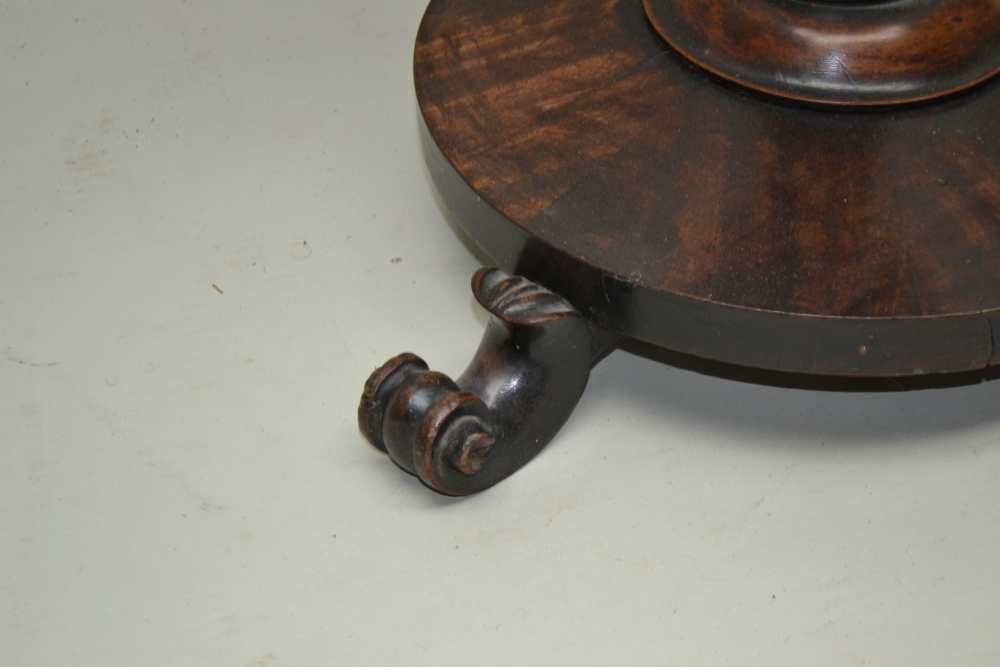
x,y
529,373
867,53
578,149
651,206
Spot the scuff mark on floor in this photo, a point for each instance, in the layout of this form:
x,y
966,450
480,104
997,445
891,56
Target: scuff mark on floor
x,y
20,361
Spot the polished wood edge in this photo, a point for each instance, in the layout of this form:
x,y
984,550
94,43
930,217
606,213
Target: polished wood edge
x,y
848,347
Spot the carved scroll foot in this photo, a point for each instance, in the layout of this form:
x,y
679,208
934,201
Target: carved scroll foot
x,y
461,437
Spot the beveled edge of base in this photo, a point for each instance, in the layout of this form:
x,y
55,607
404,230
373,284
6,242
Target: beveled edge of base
x,y
845,347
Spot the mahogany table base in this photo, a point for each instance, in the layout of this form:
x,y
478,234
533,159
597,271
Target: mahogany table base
x,y
628,191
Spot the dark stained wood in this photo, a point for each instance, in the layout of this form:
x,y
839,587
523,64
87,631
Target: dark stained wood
x,y
860,53
462,437
578,149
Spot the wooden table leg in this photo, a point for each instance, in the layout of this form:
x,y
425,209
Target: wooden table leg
x,y
461,437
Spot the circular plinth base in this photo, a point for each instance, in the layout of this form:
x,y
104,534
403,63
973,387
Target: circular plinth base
x,y
856,53
578,149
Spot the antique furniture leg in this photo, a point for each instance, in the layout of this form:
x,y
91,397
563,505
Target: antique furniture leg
x,y
462,437
695,176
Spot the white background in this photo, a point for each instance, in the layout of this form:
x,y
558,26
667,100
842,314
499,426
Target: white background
x,y
181,477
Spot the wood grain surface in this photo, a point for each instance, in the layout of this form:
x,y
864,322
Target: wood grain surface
x,y
577,147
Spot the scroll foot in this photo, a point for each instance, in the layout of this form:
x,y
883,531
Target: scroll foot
x,y
461,437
